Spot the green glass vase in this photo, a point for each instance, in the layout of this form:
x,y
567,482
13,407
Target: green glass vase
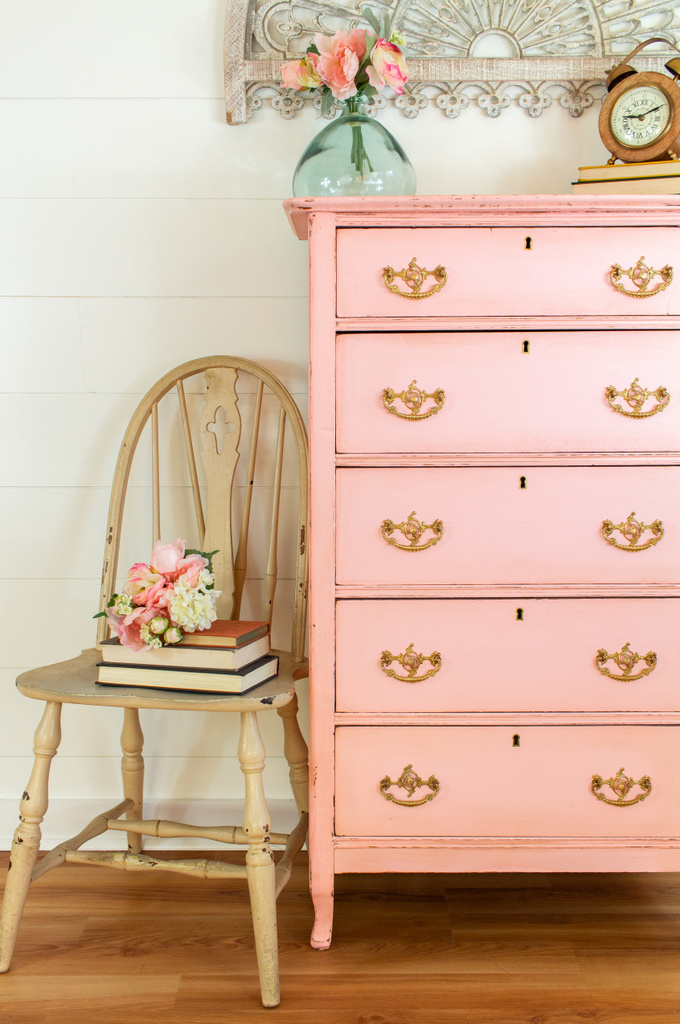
x,y
354,155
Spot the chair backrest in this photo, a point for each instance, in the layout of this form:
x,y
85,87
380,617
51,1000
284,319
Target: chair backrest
x,y
240,434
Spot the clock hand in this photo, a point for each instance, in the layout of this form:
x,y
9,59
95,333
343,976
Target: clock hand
x,y
641,117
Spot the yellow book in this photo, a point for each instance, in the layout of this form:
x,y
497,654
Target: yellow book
x,y
613,172
630,186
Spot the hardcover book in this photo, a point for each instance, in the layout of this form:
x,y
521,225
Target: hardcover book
x,y
186,655
226,633
207,680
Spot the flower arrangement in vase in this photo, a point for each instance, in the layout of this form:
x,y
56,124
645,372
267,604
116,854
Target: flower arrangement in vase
x,y
161,600
349,68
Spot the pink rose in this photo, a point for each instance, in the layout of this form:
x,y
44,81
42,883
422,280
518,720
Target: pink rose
x,y
301,74
156,596
387,67
164,557
140,577
339,60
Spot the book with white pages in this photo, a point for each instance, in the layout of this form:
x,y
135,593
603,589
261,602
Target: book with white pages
x,y
207,680
185,655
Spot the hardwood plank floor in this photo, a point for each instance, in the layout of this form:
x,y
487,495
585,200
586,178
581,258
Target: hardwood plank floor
x,y
103,947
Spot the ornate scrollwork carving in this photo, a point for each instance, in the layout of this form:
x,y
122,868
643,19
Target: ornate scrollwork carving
x,y
410,661
621,785
641,276
409,781
557,52
635,397
414,277
626,660
413,529
632,530
413,398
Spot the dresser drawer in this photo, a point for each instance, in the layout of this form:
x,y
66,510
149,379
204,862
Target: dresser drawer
x,y
400,527
504,271
492,655
493,392
506,781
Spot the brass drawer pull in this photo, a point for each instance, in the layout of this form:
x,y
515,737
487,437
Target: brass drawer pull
x,y
641,276
621,785
413,530
410,781
413,399
410,662
632,530
626,660
414,277
635,397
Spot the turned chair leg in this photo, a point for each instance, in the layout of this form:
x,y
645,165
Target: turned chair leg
x,y
132,769
26,842
259,860
296,754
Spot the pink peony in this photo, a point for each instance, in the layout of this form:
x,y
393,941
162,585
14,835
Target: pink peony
x,y
301,74
164,557
339,60
128,627
387,67
190,568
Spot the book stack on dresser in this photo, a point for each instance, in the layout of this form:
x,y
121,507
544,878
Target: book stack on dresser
x,y
495,535
230,657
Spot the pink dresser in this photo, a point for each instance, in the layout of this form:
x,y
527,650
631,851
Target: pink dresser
x,y
495,535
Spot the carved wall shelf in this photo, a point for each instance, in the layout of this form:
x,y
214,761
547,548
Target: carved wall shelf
x,y
553,50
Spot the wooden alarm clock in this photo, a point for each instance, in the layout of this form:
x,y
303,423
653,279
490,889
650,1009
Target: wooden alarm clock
x,y
640,118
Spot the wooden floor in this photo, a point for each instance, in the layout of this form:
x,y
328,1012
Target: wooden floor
x,y
106,947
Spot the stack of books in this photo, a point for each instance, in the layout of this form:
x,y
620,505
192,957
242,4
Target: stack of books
x,y
658,177
230,657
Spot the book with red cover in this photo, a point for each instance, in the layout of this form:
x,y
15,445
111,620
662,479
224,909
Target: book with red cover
x,y
226,633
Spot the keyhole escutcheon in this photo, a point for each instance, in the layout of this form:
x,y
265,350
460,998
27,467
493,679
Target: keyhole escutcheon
x,y
527,242
520,614
515,740
525,346
522,483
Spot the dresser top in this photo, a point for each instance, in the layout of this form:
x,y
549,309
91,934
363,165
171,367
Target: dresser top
x,y
481,210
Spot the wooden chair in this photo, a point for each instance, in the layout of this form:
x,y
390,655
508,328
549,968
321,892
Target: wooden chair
x,y
223,505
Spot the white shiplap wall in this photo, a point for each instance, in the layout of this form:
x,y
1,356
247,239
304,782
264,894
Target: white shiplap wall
x,y
138,231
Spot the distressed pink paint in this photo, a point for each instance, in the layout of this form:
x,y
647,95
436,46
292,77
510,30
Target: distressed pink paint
x,y
539,416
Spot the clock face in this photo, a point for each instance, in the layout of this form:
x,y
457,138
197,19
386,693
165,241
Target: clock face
x,y
640,117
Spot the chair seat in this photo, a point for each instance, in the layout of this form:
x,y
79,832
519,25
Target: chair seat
x,y
74,682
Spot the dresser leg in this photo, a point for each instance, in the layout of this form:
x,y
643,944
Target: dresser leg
x,y
323,920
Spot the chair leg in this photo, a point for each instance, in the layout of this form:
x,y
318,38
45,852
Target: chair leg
x,y
26,842
296,754
259,860
132,768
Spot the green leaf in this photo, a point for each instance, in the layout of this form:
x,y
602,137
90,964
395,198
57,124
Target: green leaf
x,y
312,48
368,15
99,615
327,102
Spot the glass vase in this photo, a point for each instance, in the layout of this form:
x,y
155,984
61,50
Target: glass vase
x,y
354,155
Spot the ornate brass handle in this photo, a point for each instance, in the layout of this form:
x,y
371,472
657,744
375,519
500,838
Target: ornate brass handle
x,y
635,397
626,660
413,530
632,530
641,276
410,662
413,399
621,785
410,781
414,277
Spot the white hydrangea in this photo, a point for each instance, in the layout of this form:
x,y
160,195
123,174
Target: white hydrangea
x,y
193,608
122,604
149,638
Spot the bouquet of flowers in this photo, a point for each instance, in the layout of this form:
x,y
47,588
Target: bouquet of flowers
x,y
350,65
172,595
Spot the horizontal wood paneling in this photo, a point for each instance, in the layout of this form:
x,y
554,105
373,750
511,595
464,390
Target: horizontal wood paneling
x,y
148,247
60,345
157,48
